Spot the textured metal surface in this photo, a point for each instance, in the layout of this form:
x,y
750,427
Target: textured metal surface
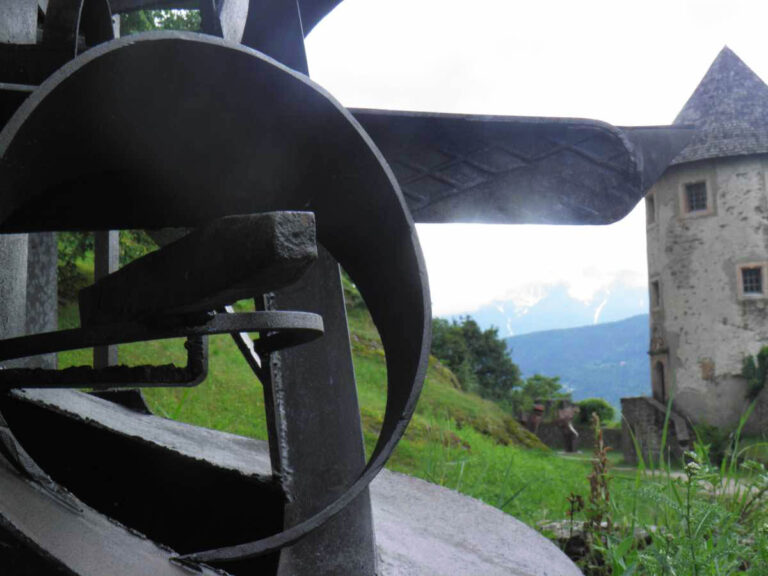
x,y
59,174
275,28
18,21
280,328
232,16
67,20
11,97
174,483
127,135
221,449
361,218
317,449
87,543
420,528
17,24
106,378
13,287
313,11
42,291
455,168
106,260
320,443
228,260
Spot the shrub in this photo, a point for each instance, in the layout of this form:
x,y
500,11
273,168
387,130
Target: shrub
x,y
597,406
477,357
755,370
707,520
717,441
74,246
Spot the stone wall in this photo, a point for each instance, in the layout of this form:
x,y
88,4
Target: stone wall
x,y
549,433
644,418
702,324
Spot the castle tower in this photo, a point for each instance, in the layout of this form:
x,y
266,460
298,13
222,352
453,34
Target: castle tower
x,y
707,231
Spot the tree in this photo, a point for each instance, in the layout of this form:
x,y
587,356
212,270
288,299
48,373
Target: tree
x,y
537,388
477,357
74,246
450,347
597,406
145,20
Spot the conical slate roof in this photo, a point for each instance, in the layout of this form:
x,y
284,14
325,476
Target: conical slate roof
x,y
730,108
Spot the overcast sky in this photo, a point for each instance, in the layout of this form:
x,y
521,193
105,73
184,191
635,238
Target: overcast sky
x,y
627,63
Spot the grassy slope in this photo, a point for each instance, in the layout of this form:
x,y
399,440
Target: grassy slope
x,y
456,439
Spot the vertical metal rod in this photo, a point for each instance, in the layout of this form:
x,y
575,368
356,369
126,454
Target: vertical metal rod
x,y
42,291
316,420
18,25
269,370
106,258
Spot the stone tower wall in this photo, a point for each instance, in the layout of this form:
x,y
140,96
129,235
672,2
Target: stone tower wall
x,y
702,325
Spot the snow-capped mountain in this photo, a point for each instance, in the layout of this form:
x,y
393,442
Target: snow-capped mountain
x,y
554,308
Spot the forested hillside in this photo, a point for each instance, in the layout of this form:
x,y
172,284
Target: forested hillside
x,y
605,360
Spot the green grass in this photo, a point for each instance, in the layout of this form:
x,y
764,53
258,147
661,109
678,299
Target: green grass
x,y
230,399
455,439
467,443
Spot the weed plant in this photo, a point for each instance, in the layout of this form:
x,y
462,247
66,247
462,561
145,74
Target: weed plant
x,y
708,519
703,520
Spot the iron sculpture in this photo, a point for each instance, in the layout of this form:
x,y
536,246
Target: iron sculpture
x,y
222,132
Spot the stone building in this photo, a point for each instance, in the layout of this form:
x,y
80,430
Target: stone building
x,y
707,232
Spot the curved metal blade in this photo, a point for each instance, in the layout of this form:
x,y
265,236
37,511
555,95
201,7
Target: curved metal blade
x,y
516,170
100,146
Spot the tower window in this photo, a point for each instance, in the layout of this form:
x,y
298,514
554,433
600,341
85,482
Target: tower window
x,y
655,294
660,381
696,197
752,280
650,209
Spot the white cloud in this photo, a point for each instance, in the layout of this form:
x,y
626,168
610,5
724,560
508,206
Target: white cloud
x,y
471,265
628,63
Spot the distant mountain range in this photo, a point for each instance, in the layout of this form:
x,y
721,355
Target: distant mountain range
x,y
554,308
607,360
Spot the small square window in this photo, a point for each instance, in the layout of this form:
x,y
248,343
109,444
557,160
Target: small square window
x,y
650,209
752,280
696,196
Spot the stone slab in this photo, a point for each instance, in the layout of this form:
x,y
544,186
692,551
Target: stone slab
x,y
83,541
421,529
